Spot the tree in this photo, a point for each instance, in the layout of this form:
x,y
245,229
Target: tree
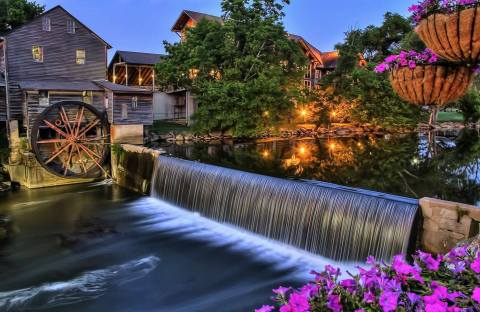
x,y
14,13
372,97
469,106
243,72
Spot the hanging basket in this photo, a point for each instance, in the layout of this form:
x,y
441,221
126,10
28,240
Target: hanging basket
x,y
454,37
431,84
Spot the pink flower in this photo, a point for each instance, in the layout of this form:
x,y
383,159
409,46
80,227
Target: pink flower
x,y
265,308
281,291
475,266
297,303
334,304
389,301
476,295
430,262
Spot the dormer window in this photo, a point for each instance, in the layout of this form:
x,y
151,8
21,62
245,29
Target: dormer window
x,y
46,24
81,56
37,54
71,26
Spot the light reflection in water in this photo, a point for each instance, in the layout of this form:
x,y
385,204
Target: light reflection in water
x,y
445,165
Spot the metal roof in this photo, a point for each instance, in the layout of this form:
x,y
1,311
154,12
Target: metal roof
x,y
59,85
119,88
140,58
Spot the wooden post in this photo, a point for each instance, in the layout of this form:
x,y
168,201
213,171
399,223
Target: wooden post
x,y
126,74
153,79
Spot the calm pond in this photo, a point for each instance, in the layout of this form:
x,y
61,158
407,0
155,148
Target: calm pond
x,y
440,165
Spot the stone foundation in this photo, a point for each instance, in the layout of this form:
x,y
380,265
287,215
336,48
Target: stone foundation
x,y
445,224
126,134
132,166
29,173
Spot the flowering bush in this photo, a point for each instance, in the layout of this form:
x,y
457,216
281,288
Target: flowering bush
x,y
407,59
449,283
427,7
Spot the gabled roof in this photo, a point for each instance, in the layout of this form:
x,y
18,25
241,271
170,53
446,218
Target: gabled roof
x,y
186,15
314,52
330,59
59,7
119,88
139,58
325,59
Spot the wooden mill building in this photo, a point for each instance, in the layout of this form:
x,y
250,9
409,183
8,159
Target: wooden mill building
x,y
55,59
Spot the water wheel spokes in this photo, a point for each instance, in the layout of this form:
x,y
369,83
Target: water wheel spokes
x,y
70,139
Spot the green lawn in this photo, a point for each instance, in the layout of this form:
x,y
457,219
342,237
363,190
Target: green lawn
x,y
450,116
165,127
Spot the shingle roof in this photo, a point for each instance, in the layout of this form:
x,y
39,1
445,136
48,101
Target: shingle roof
x,y
119,88
140,58
327,59
59,85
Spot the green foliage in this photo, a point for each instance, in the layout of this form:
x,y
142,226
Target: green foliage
x,y
238,70
14,13
371,96
469,106
165,127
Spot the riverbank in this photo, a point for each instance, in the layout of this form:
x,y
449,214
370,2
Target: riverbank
x,y
184,134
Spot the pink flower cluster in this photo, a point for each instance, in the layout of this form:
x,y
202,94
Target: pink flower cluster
x,y
449,283
427,7
407,59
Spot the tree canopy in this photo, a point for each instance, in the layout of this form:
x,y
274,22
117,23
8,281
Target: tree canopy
x,y
243,72
14,13
371,96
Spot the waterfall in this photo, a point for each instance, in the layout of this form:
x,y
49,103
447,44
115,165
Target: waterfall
x,y
335,222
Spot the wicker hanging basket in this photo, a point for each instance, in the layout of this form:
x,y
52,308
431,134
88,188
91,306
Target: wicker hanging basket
x,y
454,37
431,84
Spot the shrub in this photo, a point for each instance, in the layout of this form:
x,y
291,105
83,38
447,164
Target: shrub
x,y
431,284
469,105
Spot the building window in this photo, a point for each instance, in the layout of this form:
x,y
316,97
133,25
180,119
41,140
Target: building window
x,y
37,54
46,24
71,26
81,56
308,84
87,97
309,73
134,102
318,74
43,99
124,111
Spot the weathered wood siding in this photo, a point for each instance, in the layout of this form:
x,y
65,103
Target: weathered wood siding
x,y
3,105
34,108
59,59
59,49
143,114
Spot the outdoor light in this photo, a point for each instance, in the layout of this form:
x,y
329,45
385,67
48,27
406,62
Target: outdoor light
x,y
265,154
332,146
303,112
334,114
266,113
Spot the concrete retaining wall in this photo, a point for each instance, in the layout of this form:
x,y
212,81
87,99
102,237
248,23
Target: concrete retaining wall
x,y
445,224
132,166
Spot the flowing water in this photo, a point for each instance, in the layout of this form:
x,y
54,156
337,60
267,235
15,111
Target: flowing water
x,y
98,247
338,223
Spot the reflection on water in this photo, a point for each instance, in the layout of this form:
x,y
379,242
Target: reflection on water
x,y
441,165
98,247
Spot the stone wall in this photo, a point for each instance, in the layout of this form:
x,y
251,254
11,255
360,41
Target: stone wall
x,y
445,224
132,166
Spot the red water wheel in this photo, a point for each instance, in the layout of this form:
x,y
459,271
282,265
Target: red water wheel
x,y
70,139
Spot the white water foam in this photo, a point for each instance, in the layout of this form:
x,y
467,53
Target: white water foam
x,y
88,286
163,216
